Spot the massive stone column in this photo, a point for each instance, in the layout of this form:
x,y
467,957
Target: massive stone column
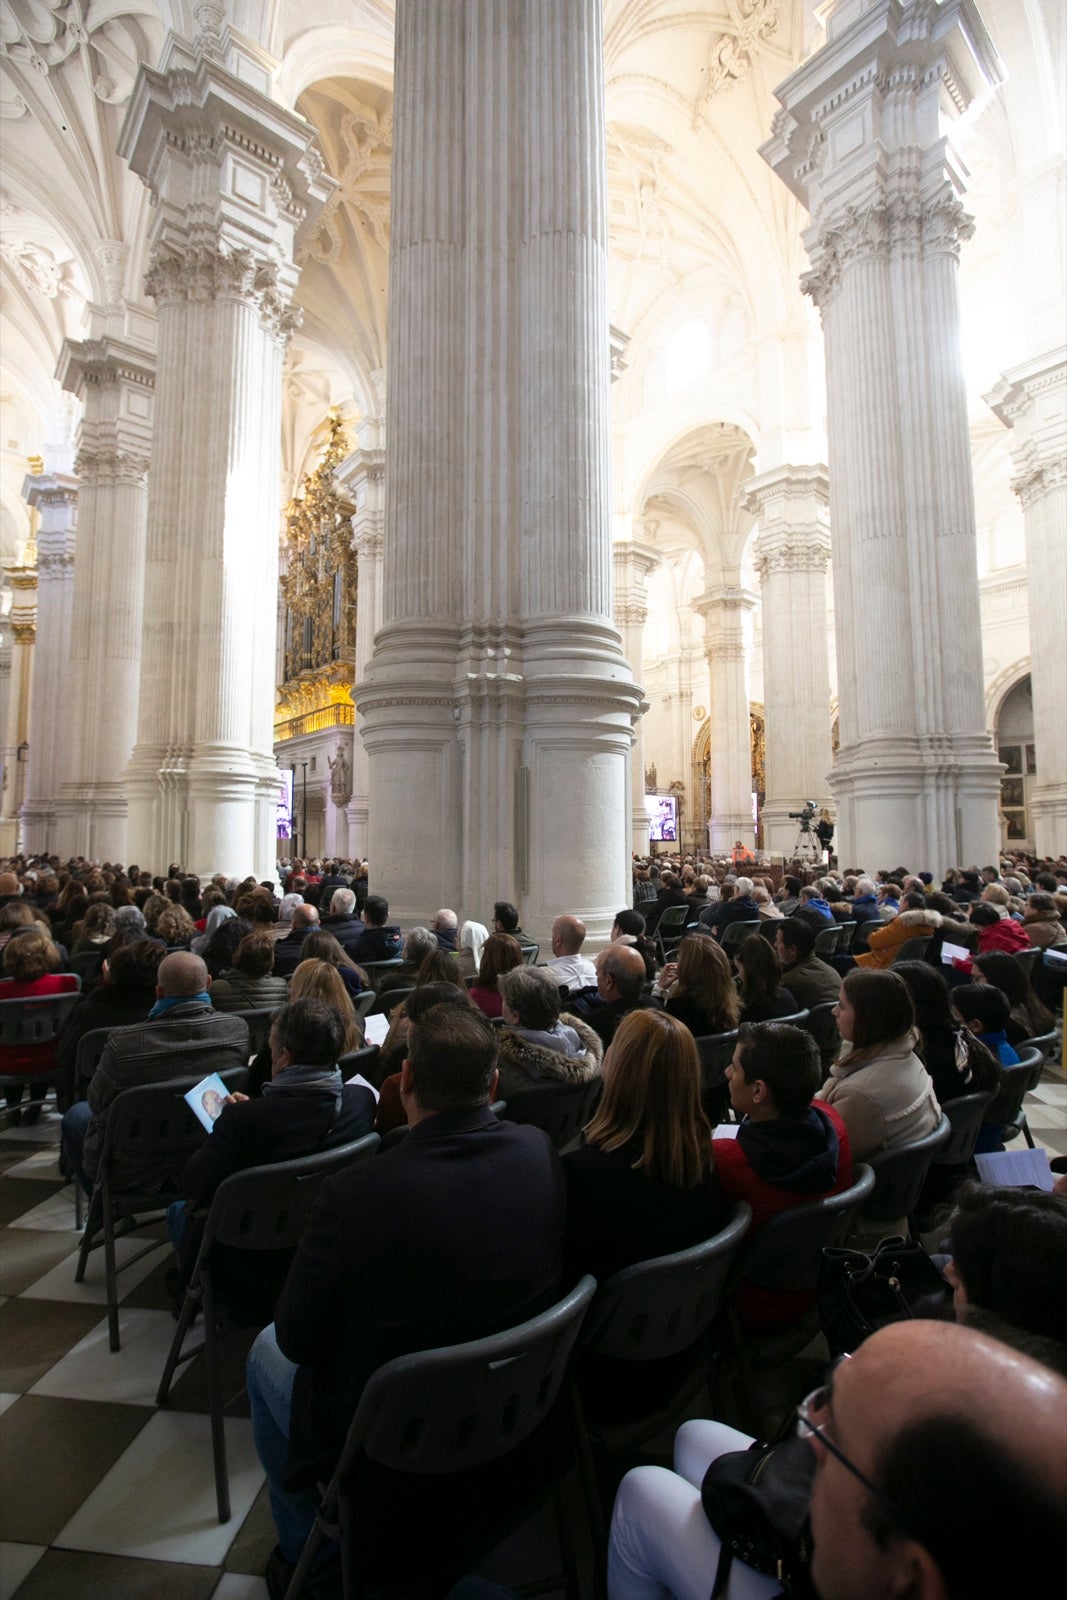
x,y
633,563
792,559
114,381
498,706
724,611
862,141
233,177
1032,401
22,624
54,496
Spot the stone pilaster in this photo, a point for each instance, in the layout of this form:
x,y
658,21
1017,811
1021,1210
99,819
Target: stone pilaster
x,y
792,559
54,496
22,627
633,564
498,707
863,142
1032,400
233,177
724,612
114,381
363,476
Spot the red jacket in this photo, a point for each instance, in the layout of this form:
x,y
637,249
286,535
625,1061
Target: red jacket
x,y
773,1308
1007,935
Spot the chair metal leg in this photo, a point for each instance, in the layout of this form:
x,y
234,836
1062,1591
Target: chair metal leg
x,y
214,1400
587,1475
753,1414
92,1222
111,1275
79,1195
307,1556
190,1306
565,1538
1027,1135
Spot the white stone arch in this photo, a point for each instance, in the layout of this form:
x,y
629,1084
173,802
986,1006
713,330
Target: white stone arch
x,y
1000,687
656,443
334,51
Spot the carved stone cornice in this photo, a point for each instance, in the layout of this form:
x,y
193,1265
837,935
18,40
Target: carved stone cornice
x,y
884,230
103,363
781,555
1031,400
206,272
1039,481
106,468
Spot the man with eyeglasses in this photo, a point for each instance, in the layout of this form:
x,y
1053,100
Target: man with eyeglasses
x,y
941,1474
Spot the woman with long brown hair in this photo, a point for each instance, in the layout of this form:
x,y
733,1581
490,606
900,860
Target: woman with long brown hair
x,y
500,954
699,987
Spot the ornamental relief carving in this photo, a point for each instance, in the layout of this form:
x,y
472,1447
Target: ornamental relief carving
x,y
103,469
205,273
791,559
903,226
1034,485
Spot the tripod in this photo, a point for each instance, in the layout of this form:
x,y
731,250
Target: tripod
x,y
805,848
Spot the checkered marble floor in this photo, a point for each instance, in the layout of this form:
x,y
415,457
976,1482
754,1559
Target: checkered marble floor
x,y
101,1492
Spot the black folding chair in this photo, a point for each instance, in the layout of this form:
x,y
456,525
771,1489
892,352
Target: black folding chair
x,y
899,1176
966,1116
736,933
262,1208
32,1021
561,1109
530,953
444,1412
376,970
822,1025
670,929
649,1312
91,1047
1028,960
259,1024
150,1123
386,1000
1020,1080
827,941
913,949
786,1254
716,1051
361,1061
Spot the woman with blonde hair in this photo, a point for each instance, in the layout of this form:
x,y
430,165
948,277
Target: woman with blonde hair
x,y
320,980
30,961
699,987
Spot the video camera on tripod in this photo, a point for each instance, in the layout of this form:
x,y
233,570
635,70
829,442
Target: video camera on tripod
x,y
804,817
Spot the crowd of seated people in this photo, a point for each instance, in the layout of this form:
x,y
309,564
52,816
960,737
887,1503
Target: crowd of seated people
x,y
467,1224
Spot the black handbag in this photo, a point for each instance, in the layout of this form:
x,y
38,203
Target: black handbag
x,y
757,1501
859,1293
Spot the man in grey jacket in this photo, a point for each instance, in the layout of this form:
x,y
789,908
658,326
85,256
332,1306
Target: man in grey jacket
x,y
182,1037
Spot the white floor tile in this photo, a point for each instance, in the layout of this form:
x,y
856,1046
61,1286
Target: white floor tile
x,y
236,1586
158,1500
17,1561
8,1400
54,1215
43,1163
58,1283
131,1375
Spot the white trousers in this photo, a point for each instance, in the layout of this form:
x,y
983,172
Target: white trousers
x,y
662,1545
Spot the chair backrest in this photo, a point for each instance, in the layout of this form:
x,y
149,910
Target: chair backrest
x,y
1018,1080
87,965
822,1025
561,1109
1045,1042
966,1115
737,933
387,999
463,1406
787,1251
716,1051
899,1175
152,1123
1028,959
35,1020
796,1019
768,928
846,932
375,970
364,1001
265,1208
827,941
259,1022
660,1307
358,1060
913,949
673,917
530,953
90,1049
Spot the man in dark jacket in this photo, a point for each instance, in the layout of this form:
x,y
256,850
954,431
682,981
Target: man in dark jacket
x,y
454,1234
379,941
304,1108
739,908
289,952
183,1037
341,919
620,979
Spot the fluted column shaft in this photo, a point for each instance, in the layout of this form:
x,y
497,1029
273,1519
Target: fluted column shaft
x,y
724,612
54,496
498,698
363,475
633,564
114,382
233,176
862,142
792,559
1032,401
16,730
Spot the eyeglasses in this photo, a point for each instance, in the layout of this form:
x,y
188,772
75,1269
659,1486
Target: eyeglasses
x,y
819,1400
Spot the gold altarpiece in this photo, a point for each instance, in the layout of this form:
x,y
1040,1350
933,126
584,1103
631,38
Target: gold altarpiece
x,y
701,775
318,588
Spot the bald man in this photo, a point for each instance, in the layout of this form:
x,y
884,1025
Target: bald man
x,y
570,970
941,1472
620,981
183,1037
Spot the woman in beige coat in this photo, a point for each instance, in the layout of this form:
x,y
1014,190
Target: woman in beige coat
x,y
879,1087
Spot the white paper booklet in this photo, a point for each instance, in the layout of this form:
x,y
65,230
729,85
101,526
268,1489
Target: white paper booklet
x,y
1015,1169
206,1100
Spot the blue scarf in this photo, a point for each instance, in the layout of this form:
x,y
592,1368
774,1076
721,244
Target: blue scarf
x,y
169,1001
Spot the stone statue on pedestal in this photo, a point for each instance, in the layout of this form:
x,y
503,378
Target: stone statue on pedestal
x,y
340,777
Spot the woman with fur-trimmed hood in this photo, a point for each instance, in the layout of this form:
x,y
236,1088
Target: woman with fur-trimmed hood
x,y
914,920
538,1044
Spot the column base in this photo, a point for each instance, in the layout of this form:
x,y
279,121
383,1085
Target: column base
x,y
212,808
91,821
927,804
8,836
38,827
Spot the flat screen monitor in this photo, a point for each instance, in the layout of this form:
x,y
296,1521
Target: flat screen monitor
x,y
662,818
